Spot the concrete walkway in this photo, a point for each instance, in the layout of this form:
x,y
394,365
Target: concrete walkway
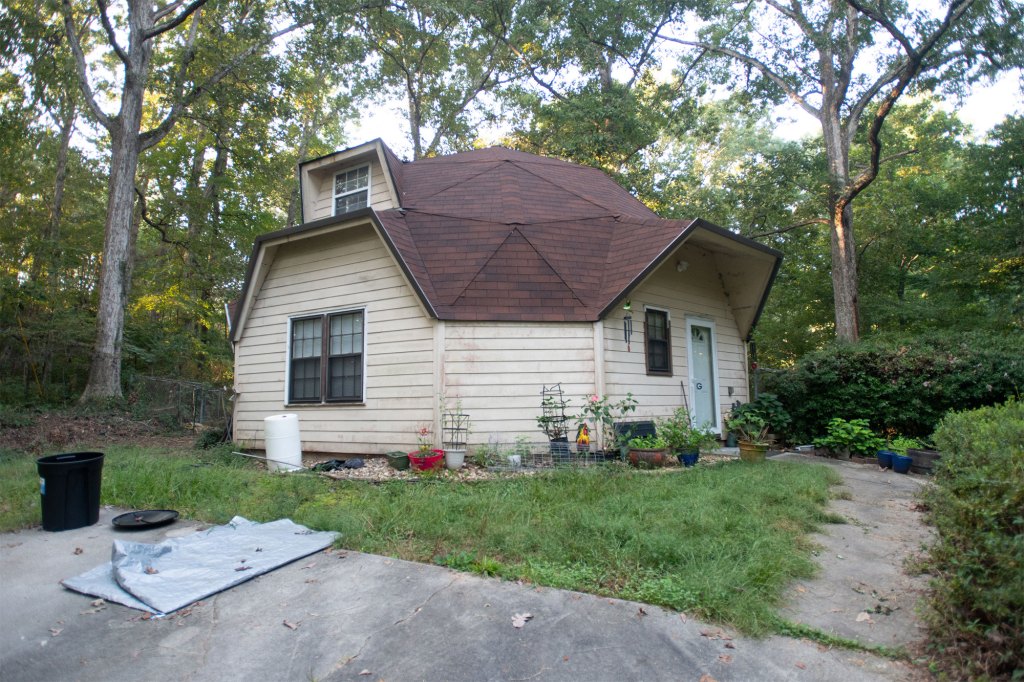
x,y
863,590
352,616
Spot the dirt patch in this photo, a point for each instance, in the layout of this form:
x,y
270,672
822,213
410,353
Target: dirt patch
x,y
52,431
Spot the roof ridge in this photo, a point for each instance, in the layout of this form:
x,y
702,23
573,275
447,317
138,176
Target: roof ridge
x,y
553,268
511,233
459,181
574,193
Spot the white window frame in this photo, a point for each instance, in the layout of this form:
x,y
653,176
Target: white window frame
x,y
334,187
692,321
323,402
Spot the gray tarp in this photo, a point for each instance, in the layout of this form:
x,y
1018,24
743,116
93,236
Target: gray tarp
x,y
165,577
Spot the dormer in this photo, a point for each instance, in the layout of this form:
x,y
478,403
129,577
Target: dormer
x,y
349,180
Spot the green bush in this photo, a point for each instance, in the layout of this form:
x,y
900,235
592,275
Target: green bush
x,y
853,437
902,386
976,606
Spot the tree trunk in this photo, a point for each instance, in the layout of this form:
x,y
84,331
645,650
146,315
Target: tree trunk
x,y
844,252
115,270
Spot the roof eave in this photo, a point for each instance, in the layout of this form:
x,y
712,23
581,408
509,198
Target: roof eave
x,y
299,230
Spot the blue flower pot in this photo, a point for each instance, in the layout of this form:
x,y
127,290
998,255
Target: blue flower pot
x,y
689,459
885,458
901,463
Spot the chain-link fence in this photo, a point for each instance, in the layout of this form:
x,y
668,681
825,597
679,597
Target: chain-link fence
x,y
175,402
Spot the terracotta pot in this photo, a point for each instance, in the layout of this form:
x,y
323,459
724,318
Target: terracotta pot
x,y
751,452
647,459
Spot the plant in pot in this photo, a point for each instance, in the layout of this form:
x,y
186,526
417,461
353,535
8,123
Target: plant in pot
x,y
684,439
648,452
454,433
768,407
554,422
426,457
848,438
751,429
603,414
898,450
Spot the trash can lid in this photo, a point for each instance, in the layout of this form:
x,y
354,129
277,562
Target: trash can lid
x,y
146,518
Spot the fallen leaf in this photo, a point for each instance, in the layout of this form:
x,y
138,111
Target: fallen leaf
x,y
730,645
802,666
801,588
147,615
309,565
640,613
519,620
242,568
97,602
864,617
840,556
565,659
78,550
682,617
707,678
725,658
364,671
292,626
151,571
55,631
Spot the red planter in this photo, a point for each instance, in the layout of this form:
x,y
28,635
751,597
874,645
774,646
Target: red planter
x,y
422,462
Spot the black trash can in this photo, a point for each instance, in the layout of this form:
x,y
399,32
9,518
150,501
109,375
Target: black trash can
x,y
69,486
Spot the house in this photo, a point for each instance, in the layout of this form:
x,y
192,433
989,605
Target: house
x,y
484,275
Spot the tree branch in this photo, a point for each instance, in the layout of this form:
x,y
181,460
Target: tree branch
x,y
789,228
156,225
80,68
111,38
171,6
171,23
153,136
755,63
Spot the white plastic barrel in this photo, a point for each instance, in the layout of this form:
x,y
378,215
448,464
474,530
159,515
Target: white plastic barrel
x,y
282,442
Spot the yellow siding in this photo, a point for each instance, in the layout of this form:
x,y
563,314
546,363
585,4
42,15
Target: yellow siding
x,y
321,187
345,269
697,292
499,369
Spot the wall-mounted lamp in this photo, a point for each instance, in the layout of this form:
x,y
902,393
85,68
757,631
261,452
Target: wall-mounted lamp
x,y
628,305
681,266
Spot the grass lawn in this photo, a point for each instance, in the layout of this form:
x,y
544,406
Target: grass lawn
x,y
719,542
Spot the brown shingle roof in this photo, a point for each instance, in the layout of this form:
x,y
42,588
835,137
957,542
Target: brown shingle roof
x,y
499,234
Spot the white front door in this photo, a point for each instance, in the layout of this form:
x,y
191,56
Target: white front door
x,y
703,373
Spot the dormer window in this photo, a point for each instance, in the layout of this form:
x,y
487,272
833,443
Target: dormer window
x,y
351,190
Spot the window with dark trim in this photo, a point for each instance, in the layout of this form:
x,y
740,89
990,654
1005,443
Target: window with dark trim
x,y
658,342
351,190
338,337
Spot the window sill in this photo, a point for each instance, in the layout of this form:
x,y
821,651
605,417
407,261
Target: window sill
x,y
361,403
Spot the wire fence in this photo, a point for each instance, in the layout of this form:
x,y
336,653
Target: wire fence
x,y
187,404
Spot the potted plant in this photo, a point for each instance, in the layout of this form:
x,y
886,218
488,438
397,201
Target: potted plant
x,y
848,438
603,414
751,430
766,406
426,457
454,433
554,422
685,439
647,452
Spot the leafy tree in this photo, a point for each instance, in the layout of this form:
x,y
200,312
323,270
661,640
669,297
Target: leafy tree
x,y
169,86
448,59
847,62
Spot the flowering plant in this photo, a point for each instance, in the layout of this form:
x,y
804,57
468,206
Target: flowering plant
x,y
603,413
425,438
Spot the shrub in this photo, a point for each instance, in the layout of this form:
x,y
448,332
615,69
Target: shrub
x,y
853,437
976,605
902,386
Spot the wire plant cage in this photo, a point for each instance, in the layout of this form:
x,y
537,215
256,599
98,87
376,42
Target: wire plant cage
x,y
553,420
454,430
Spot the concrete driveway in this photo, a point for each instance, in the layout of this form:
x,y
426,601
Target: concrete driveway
x,y
353,616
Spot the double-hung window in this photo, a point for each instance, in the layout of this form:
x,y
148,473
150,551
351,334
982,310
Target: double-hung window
x,y
351,190
658,342
326,358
